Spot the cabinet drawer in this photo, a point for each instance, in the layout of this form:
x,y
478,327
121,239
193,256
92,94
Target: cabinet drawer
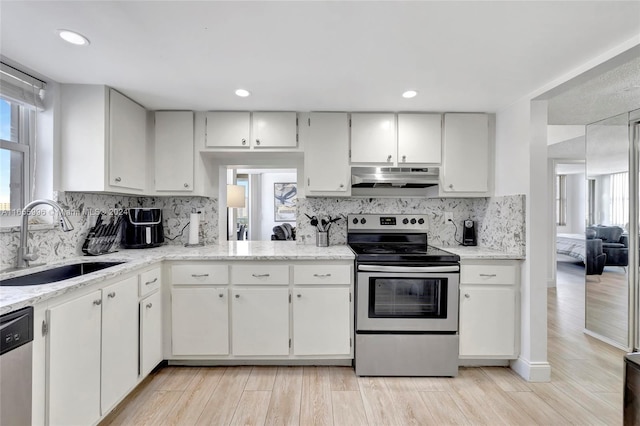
x,y
488,274
321,274
260,274
199,274
149,281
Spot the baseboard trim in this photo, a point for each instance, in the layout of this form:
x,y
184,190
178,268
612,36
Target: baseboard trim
x,y
532,371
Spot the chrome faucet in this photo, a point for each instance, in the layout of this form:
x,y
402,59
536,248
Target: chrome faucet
x,y
24,257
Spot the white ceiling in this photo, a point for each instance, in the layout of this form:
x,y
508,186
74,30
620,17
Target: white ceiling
x,y
326,55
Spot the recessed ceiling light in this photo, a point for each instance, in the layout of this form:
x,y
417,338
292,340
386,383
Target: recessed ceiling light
x,y
242,93
73,37
409,94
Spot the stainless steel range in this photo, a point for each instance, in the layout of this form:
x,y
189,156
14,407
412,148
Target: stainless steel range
x,y
406,298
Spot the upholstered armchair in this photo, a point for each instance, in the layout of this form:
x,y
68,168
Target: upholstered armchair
x,y
595,257
614,244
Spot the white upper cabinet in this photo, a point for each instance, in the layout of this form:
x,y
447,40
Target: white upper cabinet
x,y
419,139
103,141
174,151
228,129
373,138
274,130
251,130
128,142
465,165
326,153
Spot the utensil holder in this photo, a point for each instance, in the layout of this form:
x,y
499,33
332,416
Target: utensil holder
x,y
322,238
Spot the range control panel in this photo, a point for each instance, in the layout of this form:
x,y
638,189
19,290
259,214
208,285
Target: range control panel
x,y
394,222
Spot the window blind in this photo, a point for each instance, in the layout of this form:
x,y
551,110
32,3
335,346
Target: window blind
x,y
21,88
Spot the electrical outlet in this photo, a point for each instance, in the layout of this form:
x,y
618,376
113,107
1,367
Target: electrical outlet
x,y
448,216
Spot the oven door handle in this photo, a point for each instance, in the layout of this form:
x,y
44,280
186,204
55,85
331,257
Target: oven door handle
x,y
386,268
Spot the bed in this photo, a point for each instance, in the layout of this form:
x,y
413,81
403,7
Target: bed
x,y
571,245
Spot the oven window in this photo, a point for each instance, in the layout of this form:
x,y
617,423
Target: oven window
x,y
407,297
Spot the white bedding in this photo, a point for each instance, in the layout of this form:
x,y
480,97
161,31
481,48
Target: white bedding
x,y
571,245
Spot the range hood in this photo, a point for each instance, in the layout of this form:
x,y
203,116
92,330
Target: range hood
x,y
392,181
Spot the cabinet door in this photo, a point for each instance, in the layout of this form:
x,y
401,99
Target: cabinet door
x,y
274,130
260,321
419,138
487,321
199,321
74,361
119,341
373,138
228,129
321,321
326,153
127,142
150,333
465,165
174,151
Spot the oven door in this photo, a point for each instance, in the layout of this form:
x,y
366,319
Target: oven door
x,y
394,300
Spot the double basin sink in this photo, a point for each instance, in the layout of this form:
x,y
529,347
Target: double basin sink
x,y
59,273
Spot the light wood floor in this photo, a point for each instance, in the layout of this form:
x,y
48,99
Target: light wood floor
x,y
607,302
586,388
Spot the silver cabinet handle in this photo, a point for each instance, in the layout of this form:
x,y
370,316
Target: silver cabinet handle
x,y
186,185
342,185
149,305
450,186
299,296
467,295
118,179
244,141
321,275
257,141
221,295
152,281
97,302
389,159
260,275
488,275
112,294
237,296
199,275
308,181
404,158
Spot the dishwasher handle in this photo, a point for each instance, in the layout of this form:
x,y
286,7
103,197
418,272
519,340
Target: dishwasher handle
x,y
16,329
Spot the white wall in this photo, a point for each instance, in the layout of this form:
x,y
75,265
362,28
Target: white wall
x,y
521,168
267,215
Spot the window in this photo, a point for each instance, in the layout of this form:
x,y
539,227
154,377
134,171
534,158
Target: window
x,y
20,97
15,155
619,206
561,200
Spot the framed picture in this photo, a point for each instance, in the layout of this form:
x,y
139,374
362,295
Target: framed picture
x,y
284,197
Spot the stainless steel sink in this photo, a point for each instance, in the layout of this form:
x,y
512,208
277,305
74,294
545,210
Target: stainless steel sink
x,y
58,274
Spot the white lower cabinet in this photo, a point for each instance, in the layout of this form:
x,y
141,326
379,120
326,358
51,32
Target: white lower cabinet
x,y
260,321
119,341
150,333
321,323
199,321
74,361
93,353
489,310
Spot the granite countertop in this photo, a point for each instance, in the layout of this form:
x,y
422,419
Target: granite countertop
x,y
12,298
477,252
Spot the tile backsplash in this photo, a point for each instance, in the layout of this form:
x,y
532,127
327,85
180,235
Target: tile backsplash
x,y
500,220
82,209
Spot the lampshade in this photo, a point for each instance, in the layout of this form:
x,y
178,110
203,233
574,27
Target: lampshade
x,y
235,196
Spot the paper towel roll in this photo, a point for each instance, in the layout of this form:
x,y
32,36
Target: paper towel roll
x,y
194,228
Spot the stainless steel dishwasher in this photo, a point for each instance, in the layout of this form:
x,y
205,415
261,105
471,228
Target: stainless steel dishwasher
x,y
16,336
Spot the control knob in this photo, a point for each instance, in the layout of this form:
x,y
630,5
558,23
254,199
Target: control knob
x,y
413,221
363,221
405,220
421,221
355,220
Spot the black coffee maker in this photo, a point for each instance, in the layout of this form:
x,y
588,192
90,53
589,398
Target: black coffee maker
x,y
142,227
469,233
